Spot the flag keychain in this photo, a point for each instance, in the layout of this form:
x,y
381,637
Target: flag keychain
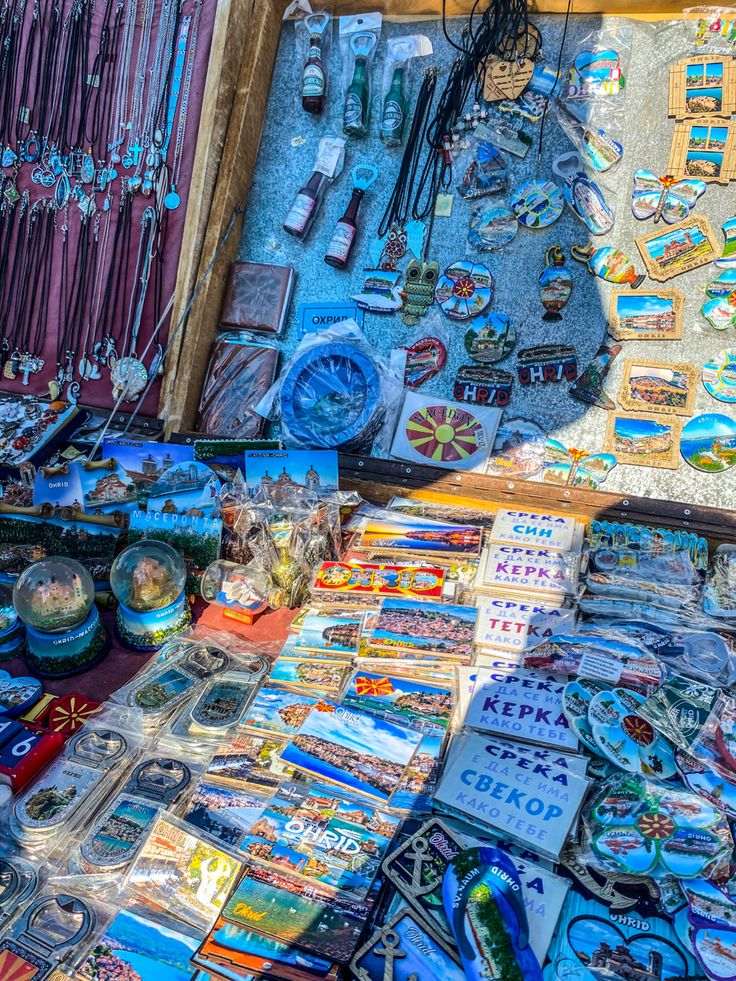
x,y
341,243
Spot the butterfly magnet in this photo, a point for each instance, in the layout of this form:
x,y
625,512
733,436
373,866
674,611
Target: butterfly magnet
x,y
664,198
575,468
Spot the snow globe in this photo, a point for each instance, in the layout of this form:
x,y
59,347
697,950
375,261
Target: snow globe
x,y
148,580
55,598
11,628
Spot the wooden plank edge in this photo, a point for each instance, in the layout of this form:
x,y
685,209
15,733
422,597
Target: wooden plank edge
x,y
460,8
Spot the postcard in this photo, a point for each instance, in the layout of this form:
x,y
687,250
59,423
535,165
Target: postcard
x,y
183,874
136,948
357,582
197,538
421,536
185,488
529,571
644,440
436,511
296,910
145,460
331,635
402,700
494,786
411,626
703,86
551,532
61,487
679,248
706,150
277,712
657,386
249,763
512,625
367,755
318,675
237,954
417,953
415,790
521,704
92,541
224,813
284,471
646,315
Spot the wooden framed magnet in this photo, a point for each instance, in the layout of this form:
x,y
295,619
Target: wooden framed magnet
x,y
658,386
704,148
669,252
704,86
644,440
651,315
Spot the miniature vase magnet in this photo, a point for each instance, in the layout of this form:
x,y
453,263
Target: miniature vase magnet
x,y
492,229
421,280
424,359
663,197
728,258
583,195
547,363
708,442
589,386
464,290
314,83
607,263
537,204
719,378
49,930
483,386
493,340
600,149
555,284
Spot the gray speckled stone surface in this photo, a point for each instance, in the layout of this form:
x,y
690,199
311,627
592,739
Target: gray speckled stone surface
x,y
284,163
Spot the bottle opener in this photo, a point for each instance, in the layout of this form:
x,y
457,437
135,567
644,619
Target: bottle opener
x,y
47,932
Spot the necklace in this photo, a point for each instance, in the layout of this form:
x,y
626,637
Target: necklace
x,y
173,199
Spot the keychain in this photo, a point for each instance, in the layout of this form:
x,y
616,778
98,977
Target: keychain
x,y
343,237
120,831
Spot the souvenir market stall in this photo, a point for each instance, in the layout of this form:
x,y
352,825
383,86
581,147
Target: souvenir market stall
x,y
400,645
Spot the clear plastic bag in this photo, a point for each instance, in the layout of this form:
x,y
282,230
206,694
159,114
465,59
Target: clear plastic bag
x,y
397,82
359,36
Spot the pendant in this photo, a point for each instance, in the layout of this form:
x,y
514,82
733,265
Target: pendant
x,y
172,200
63,191
87,169
88,370
30,364
135,184
421,279
129,377
8,158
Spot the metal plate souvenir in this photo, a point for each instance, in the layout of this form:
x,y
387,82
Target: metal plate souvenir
x,y
164,689
49,930
464,290
482,386
492,229
719,379
18,882
121,830
708,442
537,204
492,340
68,783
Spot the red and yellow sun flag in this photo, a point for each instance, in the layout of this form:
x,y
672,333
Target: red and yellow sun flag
x,y
324,707
373,686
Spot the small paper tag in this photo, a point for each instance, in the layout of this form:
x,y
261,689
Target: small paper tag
x,y
443,205
598,667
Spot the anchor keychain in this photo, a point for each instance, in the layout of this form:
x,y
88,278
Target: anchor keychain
x,y
50,931
358,98
314,81
343,237
122,828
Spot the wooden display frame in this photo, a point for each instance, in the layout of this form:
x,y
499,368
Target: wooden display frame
x,y
716,143
622,333
679,87
627,401
662,273
667,461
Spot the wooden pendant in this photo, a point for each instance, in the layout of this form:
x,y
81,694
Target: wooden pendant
x,y
506,79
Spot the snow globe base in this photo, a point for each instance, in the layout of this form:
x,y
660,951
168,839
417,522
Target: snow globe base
x,y
150,630
60,655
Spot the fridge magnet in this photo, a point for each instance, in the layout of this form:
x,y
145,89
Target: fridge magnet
x,y
728,258
492,229
424,359
644,440
607,263
575,468
646,316
518,450
509,136
506,79
720,307
402,949
601,150
595,72
381,292
679,249
703,149
583,195
547,363
704,86
482,386
537,204
708,442
626,739
663,197
576,698
421,279
464,290
445,434
555,284
658,386
492,341
485,172
719,375
589,386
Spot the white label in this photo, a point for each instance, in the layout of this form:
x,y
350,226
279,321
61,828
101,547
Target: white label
x,y
341,242
314,81
547,531
299,213
599,667
514,626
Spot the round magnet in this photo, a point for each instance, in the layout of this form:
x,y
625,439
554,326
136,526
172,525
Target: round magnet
x,y
537,204
708,442
492,229
464,290
719,375
491,339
